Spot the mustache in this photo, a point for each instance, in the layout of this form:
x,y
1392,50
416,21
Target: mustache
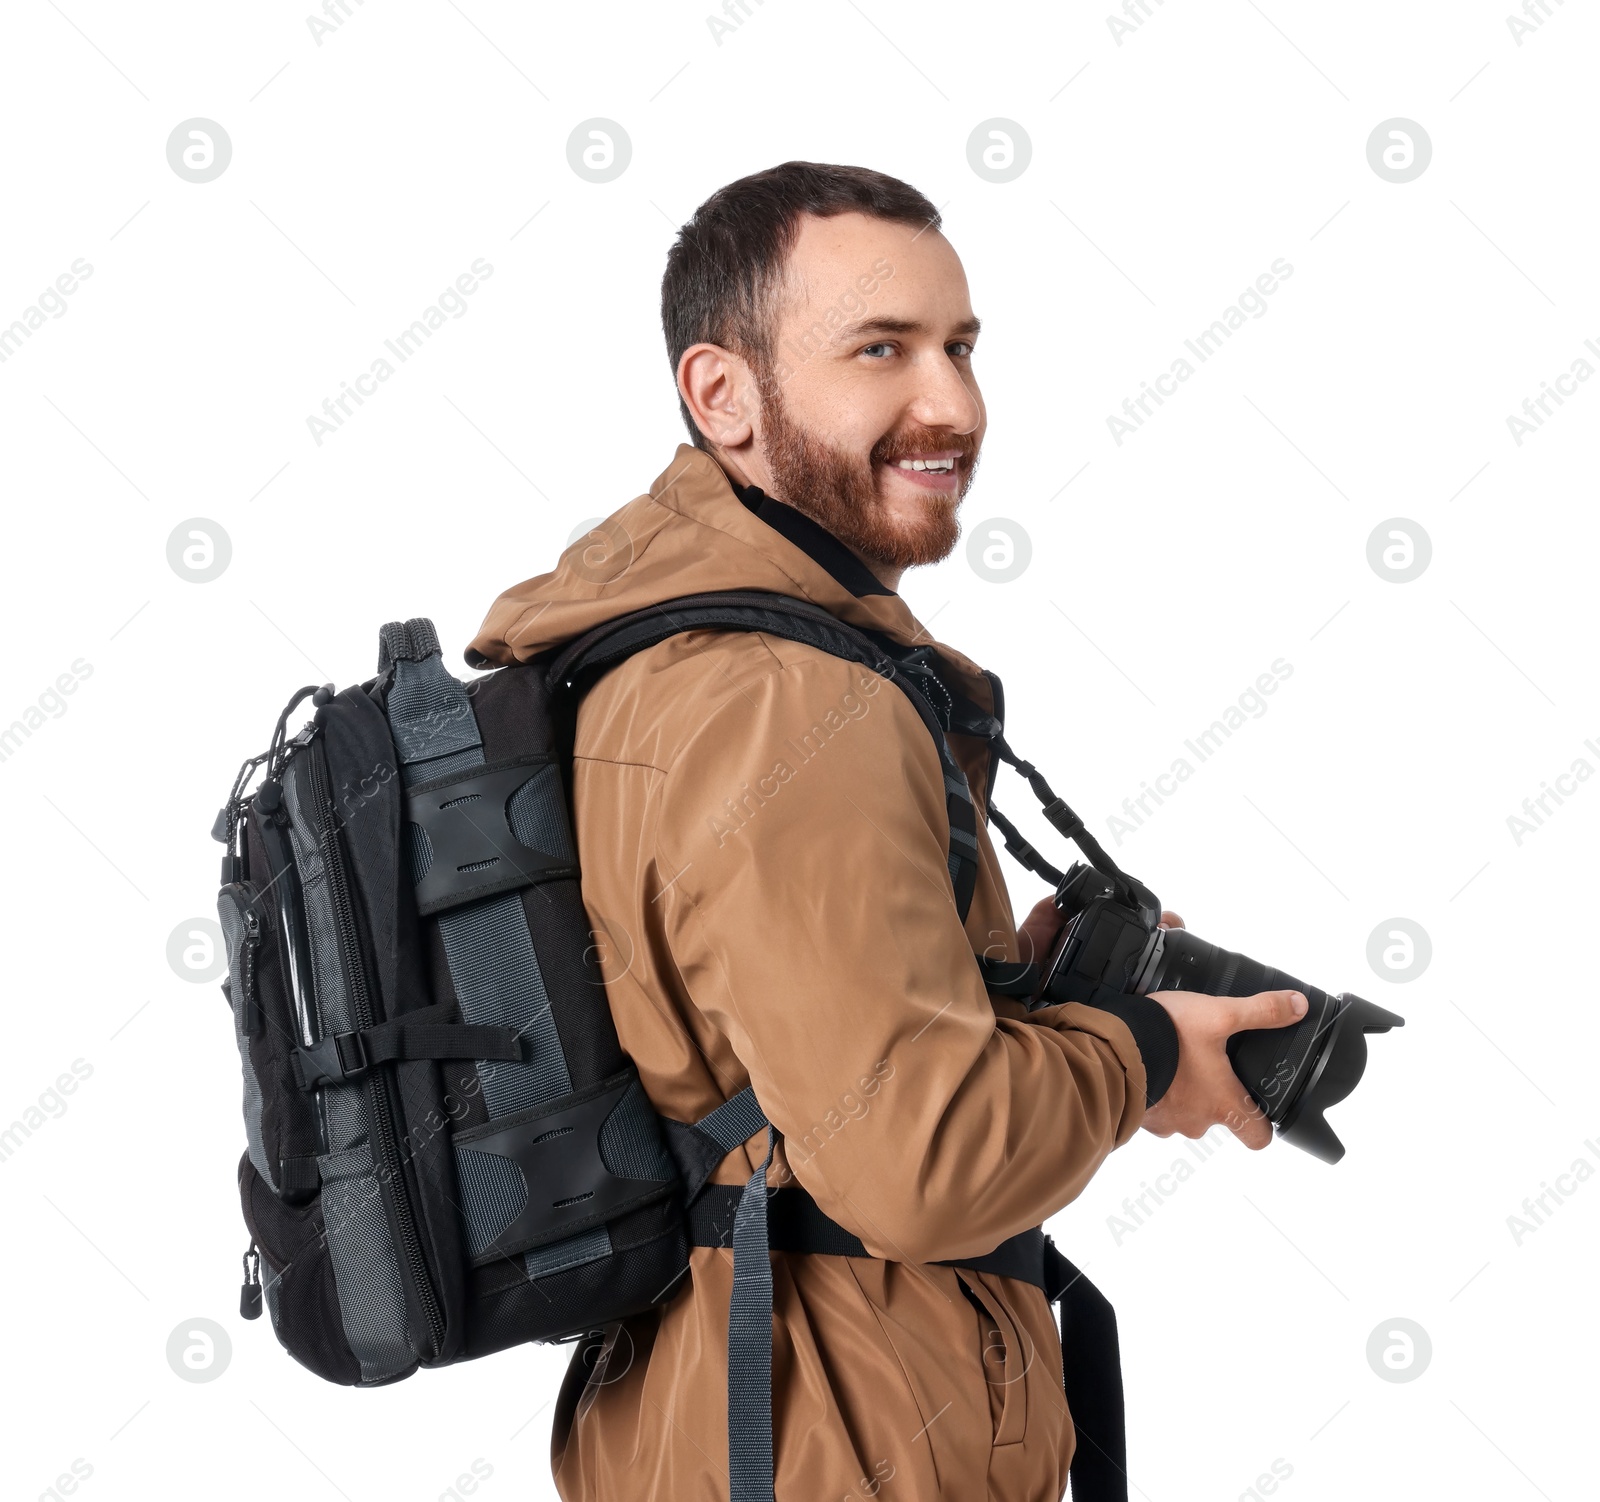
x,y
924,440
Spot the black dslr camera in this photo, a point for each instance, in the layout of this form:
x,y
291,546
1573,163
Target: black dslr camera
x,y
1112,940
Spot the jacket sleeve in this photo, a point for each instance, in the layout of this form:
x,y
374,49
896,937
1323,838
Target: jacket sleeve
x,y
801,842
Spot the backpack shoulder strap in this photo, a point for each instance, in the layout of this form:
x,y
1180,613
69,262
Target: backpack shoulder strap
x,y
581,662
569,673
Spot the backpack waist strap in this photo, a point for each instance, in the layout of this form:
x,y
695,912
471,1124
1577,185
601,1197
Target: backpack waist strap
x,y
754,1220
796,1223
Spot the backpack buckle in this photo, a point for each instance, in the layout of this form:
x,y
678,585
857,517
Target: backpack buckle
x,y
474,849
331,1060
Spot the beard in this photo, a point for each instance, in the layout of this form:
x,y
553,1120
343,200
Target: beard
x,y
839,490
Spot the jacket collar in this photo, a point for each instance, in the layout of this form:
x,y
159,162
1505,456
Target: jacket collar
x,y
687,534
812,538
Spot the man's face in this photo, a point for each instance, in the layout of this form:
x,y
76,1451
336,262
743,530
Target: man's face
x,y
871,369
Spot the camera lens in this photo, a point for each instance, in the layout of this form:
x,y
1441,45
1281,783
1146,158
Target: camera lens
x,y
1293,1073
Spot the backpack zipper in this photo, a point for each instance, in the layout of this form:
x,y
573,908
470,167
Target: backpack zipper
x,y
250,1003
361,1005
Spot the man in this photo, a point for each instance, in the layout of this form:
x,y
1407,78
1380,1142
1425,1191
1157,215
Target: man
x,y
764,838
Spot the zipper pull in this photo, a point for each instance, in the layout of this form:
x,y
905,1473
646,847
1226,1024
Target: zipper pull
x,y
222,833
254,1022
250,1290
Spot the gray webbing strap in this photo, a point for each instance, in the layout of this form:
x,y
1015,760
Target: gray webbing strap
x,y
750,1464
488,948
735,1121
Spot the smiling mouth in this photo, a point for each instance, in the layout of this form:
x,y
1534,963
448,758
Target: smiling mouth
x,y
939,473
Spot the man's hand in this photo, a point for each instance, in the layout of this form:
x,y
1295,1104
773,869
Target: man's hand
x,y
1036,935
1205,1090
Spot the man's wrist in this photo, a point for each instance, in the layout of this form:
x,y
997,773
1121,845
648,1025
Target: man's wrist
x,y
1153,1031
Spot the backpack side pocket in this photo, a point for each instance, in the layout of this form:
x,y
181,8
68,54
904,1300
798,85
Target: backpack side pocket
x,y
280,1118
297,1278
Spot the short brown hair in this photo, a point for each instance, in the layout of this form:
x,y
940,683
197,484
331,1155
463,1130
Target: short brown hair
x,y
728,260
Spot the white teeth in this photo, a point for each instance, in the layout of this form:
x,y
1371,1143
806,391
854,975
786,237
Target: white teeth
x,y
940,466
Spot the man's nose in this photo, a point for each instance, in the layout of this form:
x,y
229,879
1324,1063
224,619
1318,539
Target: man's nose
x,y
943,399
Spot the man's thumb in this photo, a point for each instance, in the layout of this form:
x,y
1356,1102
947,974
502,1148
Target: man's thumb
x,y
1271,1009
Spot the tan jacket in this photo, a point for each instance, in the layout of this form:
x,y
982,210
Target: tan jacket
x,y
763,834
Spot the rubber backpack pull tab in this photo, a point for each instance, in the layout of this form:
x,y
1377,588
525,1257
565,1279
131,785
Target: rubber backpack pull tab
x,y
250,1290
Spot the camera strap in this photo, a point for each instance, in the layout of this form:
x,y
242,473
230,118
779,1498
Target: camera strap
x,y
959,715
1130,889
1019,978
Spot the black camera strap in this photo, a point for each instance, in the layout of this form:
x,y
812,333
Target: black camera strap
x,y
959,715
1022,851
1058,812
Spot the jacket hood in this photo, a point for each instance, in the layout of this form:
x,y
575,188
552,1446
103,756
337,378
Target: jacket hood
x,y
687,534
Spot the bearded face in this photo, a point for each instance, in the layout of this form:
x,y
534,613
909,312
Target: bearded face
x,y
871,501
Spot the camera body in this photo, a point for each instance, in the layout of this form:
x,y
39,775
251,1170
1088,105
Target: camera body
x,y
1112,938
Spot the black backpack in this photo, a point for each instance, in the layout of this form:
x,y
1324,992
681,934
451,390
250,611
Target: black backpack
x,y
448,1151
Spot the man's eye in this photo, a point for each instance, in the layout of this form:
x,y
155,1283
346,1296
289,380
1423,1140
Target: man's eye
x,y
964,346
869,348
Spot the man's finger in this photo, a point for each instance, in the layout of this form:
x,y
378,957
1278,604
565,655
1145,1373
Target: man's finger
x,y
1036,933
1043,911
1248,1122
1170,919
1268,1009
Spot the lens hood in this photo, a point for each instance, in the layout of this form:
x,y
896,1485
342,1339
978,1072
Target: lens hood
x,y
1332,1071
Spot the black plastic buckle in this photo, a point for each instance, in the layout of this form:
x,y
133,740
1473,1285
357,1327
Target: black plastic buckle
x,y
554,1150
1063,818
331,1060
466,820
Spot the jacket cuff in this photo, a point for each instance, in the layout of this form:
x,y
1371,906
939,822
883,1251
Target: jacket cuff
x,y
1153,1030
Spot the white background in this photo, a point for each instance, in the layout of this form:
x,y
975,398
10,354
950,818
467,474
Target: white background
x,y
1168,171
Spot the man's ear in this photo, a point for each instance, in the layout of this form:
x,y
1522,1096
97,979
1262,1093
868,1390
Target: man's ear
x,y
719,390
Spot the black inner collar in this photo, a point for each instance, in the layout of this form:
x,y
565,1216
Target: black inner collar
x,y
812,539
